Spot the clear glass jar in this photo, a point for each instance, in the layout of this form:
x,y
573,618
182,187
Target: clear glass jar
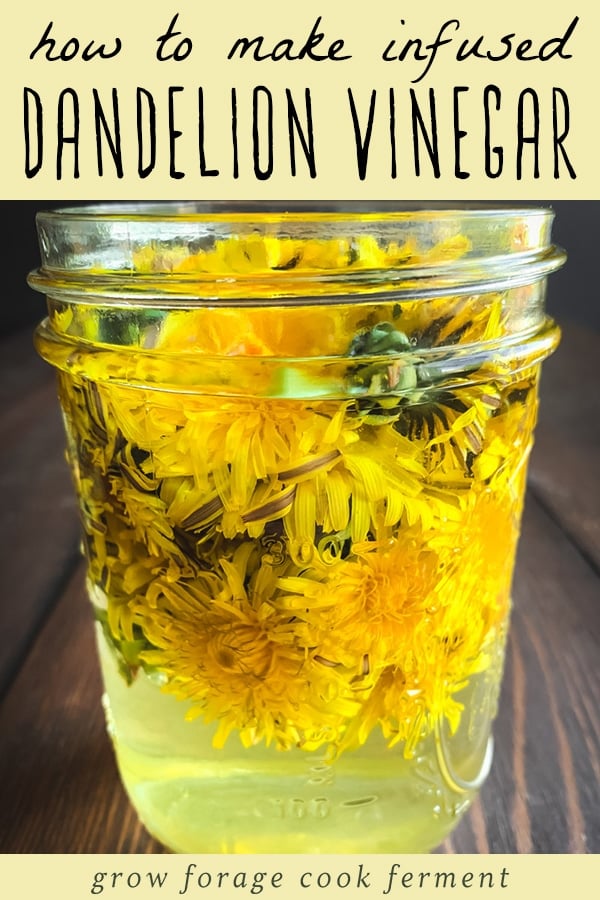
x,y
299,441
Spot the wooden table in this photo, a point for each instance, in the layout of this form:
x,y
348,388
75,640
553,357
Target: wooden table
x,y
60,789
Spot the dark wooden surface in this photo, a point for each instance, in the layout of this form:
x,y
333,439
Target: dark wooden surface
x,y
60,789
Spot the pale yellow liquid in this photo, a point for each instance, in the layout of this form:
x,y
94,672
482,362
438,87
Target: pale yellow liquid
x,y
196,799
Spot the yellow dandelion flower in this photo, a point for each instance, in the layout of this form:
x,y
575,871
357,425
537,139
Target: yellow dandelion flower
x,y
444,321
152,258
390,587
233,656
508,437
450,426
397,706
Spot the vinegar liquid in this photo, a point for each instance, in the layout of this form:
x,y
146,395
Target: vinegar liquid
x,y
263,800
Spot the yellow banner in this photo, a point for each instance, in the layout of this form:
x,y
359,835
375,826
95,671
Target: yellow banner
x,y
308,101
330,877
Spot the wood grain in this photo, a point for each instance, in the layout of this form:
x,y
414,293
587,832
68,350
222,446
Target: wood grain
x,y
61,789
564,475
39,527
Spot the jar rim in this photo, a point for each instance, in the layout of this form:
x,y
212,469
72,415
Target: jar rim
x,y
235,252
321,211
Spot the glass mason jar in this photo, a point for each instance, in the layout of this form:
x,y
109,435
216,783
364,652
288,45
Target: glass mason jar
x,y
299,441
